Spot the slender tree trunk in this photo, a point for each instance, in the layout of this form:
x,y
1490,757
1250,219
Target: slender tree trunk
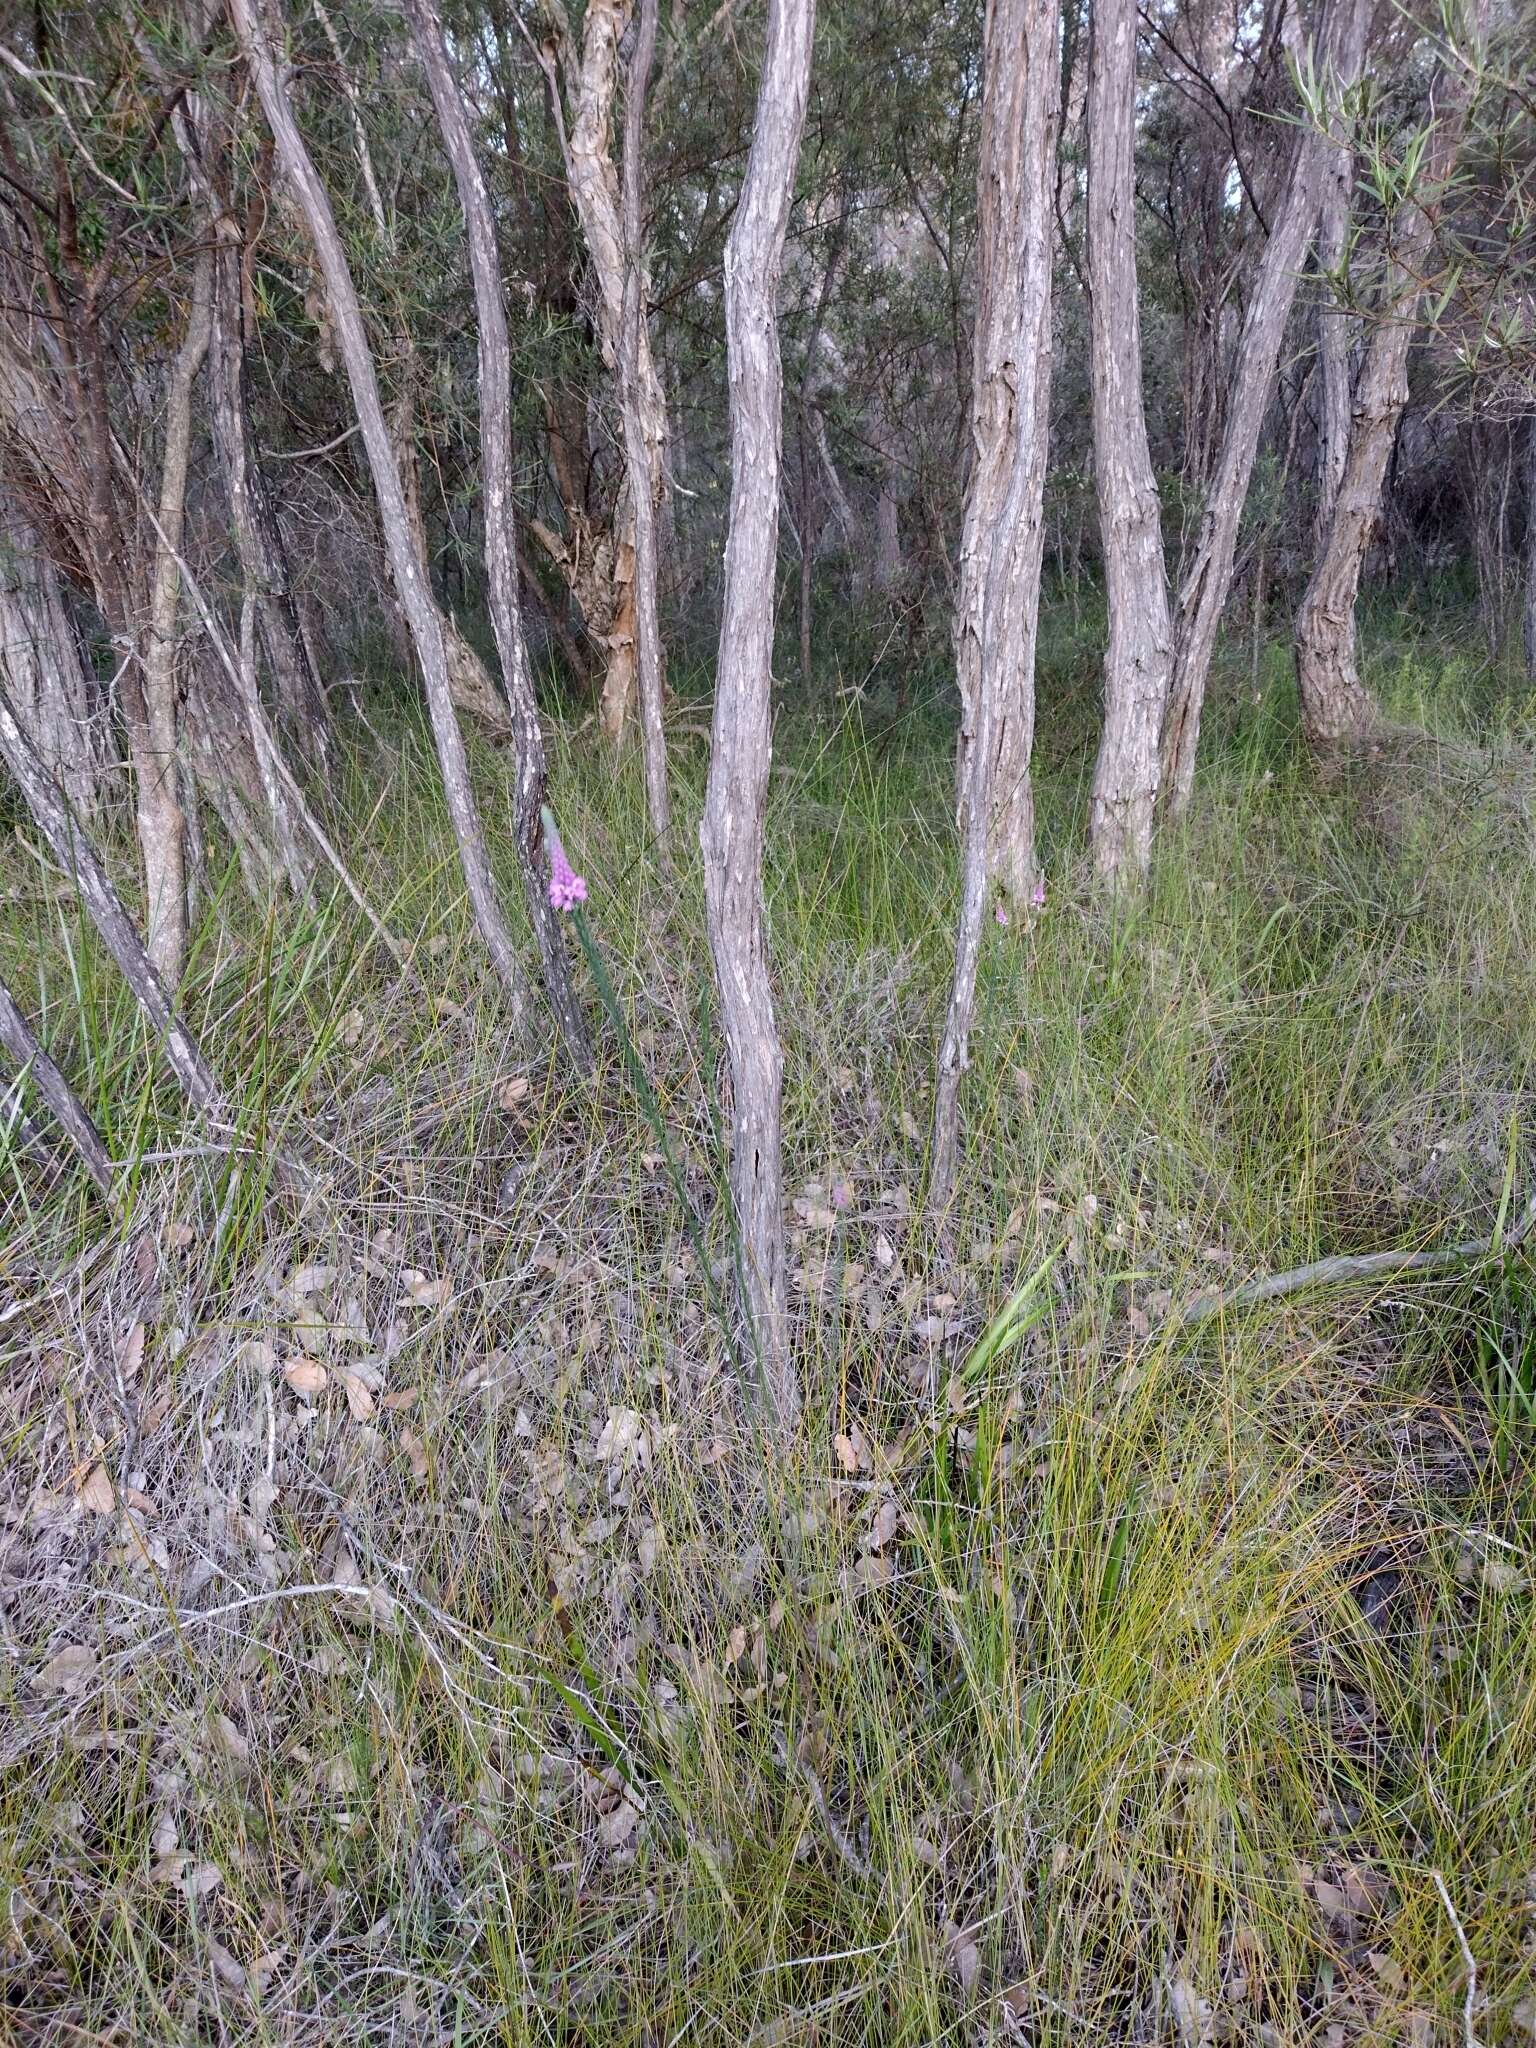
x,y
1003,537
495,362
1139,660
75,854
1208,577
1528,617
1333,339
162,833
643,404
26,1049
731,834
807,554
410,578
1337,710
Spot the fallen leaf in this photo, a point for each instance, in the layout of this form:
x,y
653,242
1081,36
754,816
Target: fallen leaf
x,y
225,1968
130,1355
393,1403
615,1828
962,1955
306,1376
350,1029
511,1094
69,1671
416,1451
95,1494
359,1399
847,1452
427,1293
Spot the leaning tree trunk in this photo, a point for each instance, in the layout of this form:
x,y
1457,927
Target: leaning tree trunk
x,y
409,574
152,728
1208,578
26,1049
997,608
731,834
1139,660
1337,710
75,854
1003,537
500,514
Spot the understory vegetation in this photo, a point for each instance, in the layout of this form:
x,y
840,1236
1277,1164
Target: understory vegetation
x,y
407,1637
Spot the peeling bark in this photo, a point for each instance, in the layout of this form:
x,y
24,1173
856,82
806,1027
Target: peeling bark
x,y
1138,662
26,1049
44,670
1001,545
731,833
1337,710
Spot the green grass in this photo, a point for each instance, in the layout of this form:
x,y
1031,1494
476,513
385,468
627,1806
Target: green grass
x,y
1109,1685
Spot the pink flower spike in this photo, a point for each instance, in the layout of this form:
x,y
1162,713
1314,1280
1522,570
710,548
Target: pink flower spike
x,y
1037,897
1001,914
566,887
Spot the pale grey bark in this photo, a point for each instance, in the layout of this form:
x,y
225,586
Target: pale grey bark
x,y
1207,579
1001,546
1002,540
75,854
1337,710
731,833
409,574
162,833
43,668
1138,661
26,1049
495,365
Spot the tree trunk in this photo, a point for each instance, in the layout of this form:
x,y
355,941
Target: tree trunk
x,y
1139,660
1002,540
1208,578
495,363
731,834
1333,339
645,424
152,733
409,575
610,212
1528,618
43,668
75,854
26,1049
1337,710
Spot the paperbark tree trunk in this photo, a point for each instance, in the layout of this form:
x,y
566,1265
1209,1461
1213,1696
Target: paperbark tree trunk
x,y
645,424
1000,551
1138,662
1337,710
495,363
731,833
26,1049
43,668
405,564
153,735
1002,539
75,854
1333,341
1207,580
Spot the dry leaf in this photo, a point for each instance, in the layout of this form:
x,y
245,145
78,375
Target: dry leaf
x,y
623,1437
512,1094
962,1955
306,1376
350,1029
95,1494
130,1355
427,1293
225,1968
615,1828
416,1451
69,1671
393,1403
847,1453
359,1399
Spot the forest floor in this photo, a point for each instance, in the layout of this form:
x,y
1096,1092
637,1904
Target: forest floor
x,y
408,1638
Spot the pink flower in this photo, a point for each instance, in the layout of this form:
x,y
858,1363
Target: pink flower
x,y
566,887
1000,913
1037,895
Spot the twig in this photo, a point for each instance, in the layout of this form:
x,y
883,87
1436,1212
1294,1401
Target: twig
x,y
1468,2037
1348,1268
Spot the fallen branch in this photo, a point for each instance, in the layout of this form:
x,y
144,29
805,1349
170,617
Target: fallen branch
x,y
1349,1268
